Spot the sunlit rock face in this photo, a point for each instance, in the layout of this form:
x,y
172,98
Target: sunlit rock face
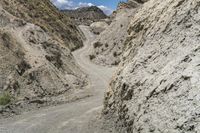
x,y
36,65
156,88
111,41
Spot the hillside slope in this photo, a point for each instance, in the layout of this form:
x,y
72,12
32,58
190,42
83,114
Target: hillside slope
x,y
109,45
45,15
157,86
36,68
72,117
85,15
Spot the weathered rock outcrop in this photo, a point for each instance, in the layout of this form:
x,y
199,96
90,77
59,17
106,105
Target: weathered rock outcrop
x,y
98,27
36,68
44,14
113,38
157,86
86,15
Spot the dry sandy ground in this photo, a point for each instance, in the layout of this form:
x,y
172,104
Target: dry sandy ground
x,y
72,117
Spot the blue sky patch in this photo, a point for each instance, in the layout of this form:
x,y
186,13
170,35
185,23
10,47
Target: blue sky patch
x,y
106,5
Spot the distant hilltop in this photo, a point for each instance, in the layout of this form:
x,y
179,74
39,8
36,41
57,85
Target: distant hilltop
x,y
86,15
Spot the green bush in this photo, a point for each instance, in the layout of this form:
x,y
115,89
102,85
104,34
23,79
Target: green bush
x,y
5,98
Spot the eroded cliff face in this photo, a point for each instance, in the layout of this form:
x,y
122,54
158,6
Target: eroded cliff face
x,y
44,14
109,45
36,69
157,87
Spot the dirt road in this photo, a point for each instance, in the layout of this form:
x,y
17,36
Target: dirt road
x,y
72,117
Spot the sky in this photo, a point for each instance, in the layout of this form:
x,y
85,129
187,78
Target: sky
x,y
108,6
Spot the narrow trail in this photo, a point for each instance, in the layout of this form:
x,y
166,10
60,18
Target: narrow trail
x,y
72,117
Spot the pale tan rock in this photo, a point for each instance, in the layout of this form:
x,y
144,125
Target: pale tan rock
x,y
98,27
113,38
36,69
157,86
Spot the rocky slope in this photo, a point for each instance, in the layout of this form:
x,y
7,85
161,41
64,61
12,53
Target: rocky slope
x,y
45,15
86,15
37,68
109,45
98,27
157,86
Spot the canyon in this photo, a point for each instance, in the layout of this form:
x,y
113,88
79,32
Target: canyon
x,y
135,71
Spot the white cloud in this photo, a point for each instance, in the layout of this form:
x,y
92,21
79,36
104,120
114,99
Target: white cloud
x,y
81,4
106,10
69,4
63,4
63,1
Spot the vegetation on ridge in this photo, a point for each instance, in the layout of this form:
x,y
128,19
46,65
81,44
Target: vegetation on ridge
x,y
45,14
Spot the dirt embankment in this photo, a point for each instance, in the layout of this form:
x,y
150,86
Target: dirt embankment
x,y
157,86
36,68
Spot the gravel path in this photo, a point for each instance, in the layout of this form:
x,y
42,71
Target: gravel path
x,y
72,117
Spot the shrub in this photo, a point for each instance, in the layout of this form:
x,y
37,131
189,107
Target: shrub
x,y
19,53
6,40
106,45
92,57
97,44
115,54
115,63
5,99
